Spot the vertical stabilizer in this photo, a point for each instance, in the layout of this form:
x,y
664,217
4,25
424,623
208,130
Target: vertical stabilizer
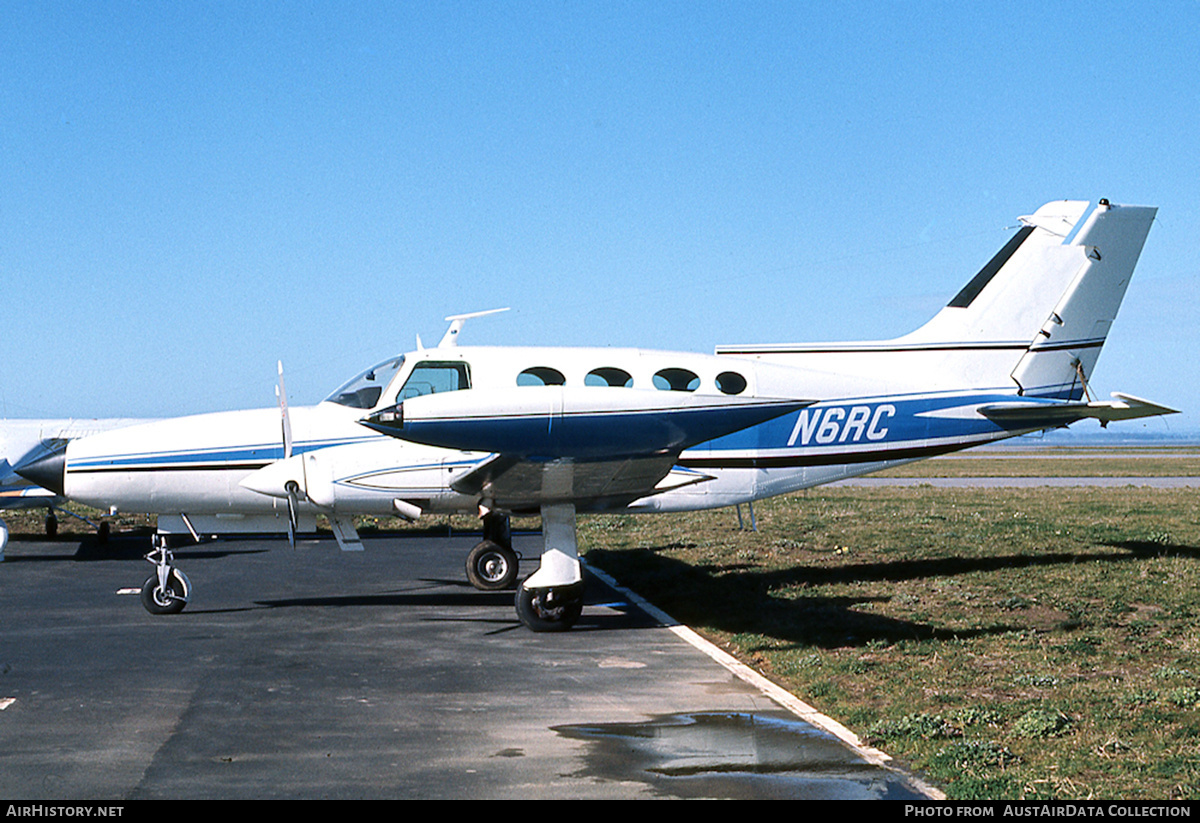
x,y
1034,318
1007,301
1050,296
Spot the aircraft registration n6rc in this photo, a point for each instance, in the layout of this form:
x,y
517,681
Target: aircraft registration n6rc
x,y
498,431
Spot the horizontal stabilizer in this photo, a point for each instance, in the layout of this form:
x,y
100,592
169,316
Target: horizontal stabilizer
x,y
1034,414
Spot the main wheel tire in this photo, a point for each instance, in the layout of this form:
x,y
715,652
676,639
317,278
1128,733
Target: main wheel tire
x,y
550,610
157,601
492,567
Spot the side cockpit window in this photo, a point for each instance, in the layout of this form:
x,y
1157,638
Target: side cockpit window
x,y
436,378
363,391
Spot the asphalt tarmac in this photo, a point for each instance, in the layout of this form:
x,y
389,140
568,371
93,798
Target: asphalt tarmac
x,y
314,673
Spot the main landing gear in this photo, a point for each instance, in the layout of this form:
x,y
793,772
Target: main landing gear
x,y
552,609
167,590
551,599
492,565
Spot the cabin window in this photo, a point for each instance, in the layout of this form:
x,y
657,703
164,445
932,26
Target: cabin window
x,y
541,376
609,376
435,378
676,380
730,382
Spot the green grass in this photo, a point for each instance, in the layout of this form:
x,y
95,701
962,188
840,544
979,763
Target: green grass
x,y
1077,462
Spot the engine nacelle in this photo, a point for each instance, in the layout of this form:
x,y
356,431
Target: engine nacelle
x,y
383,477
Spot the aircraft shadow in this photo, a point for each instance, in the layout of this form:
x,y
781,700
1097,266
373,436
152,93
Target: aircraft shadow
x,y
617,615
394,600
1150,548
738,599
92,549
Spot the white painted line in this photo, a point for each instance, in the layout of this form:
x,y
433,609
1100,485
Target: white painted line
x,y
5,702
129,591
772,690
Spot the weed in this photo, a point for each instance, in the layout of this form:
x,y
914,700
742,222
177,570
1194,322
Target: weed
x,y
1184,697
1042,723
973,757
1041,681
917,726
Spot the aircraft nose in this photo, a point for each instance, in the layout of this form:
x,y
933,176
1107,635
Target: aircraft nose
x,y
48,470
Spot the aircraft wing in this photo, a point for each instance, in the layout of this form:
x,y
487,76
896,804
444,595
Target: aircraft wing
x,y
594,447
520,484
1038,414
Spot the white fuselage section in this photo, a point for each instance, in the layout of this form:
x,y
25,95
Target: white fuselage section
x,y
196,465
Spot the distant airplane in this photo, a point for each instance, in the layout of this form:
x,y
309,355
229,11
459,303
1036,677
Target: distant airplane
x,y
26,441
497,431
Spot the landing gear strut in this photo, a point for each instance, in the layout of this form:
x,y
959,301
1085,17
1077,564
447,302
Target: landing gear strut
x,y
167,590
492,565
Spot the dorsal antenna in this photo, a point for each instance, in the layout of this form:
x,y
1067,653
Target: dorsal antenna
x,y
450,338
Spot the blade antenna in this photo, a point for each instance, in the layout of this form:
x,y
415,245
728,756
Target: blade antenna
x,y
450,338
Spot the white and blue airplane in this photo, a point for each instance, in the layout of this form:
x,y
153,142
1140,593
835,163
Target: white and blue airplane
x,y
497,431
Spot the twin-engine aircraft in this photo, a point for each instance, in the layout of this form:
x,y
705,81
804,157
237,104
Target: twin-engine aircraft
x,y
497,431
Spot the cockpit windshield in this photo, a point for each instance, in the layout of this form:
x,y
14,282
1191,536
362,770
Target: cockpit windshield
x,y
364,390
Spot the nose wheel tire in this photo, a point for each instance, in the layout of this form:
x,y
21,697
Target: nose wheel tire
x,y
169,600
550,610
492,567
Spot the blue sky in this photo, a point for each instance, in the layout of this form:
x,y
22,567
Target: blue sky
x,y
192,191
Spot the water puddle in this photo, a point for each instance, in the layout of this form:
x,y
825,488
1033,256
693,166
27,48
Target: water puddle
x,y
734,755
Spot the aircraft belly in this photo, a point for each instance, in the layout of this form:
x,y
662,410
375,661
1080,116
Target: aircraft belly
x,y
165,490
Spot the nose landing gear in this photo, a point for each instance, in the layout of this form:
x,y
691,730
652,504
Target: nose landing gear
x,y
167,590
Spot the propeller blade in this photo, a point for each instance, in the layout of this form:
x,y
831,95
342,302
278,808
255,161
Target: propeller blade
x,y
293,493
281,392
293,490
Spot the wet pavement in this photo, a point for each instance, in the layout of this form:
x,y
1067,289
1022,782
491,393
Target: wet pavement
x,y
313,673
